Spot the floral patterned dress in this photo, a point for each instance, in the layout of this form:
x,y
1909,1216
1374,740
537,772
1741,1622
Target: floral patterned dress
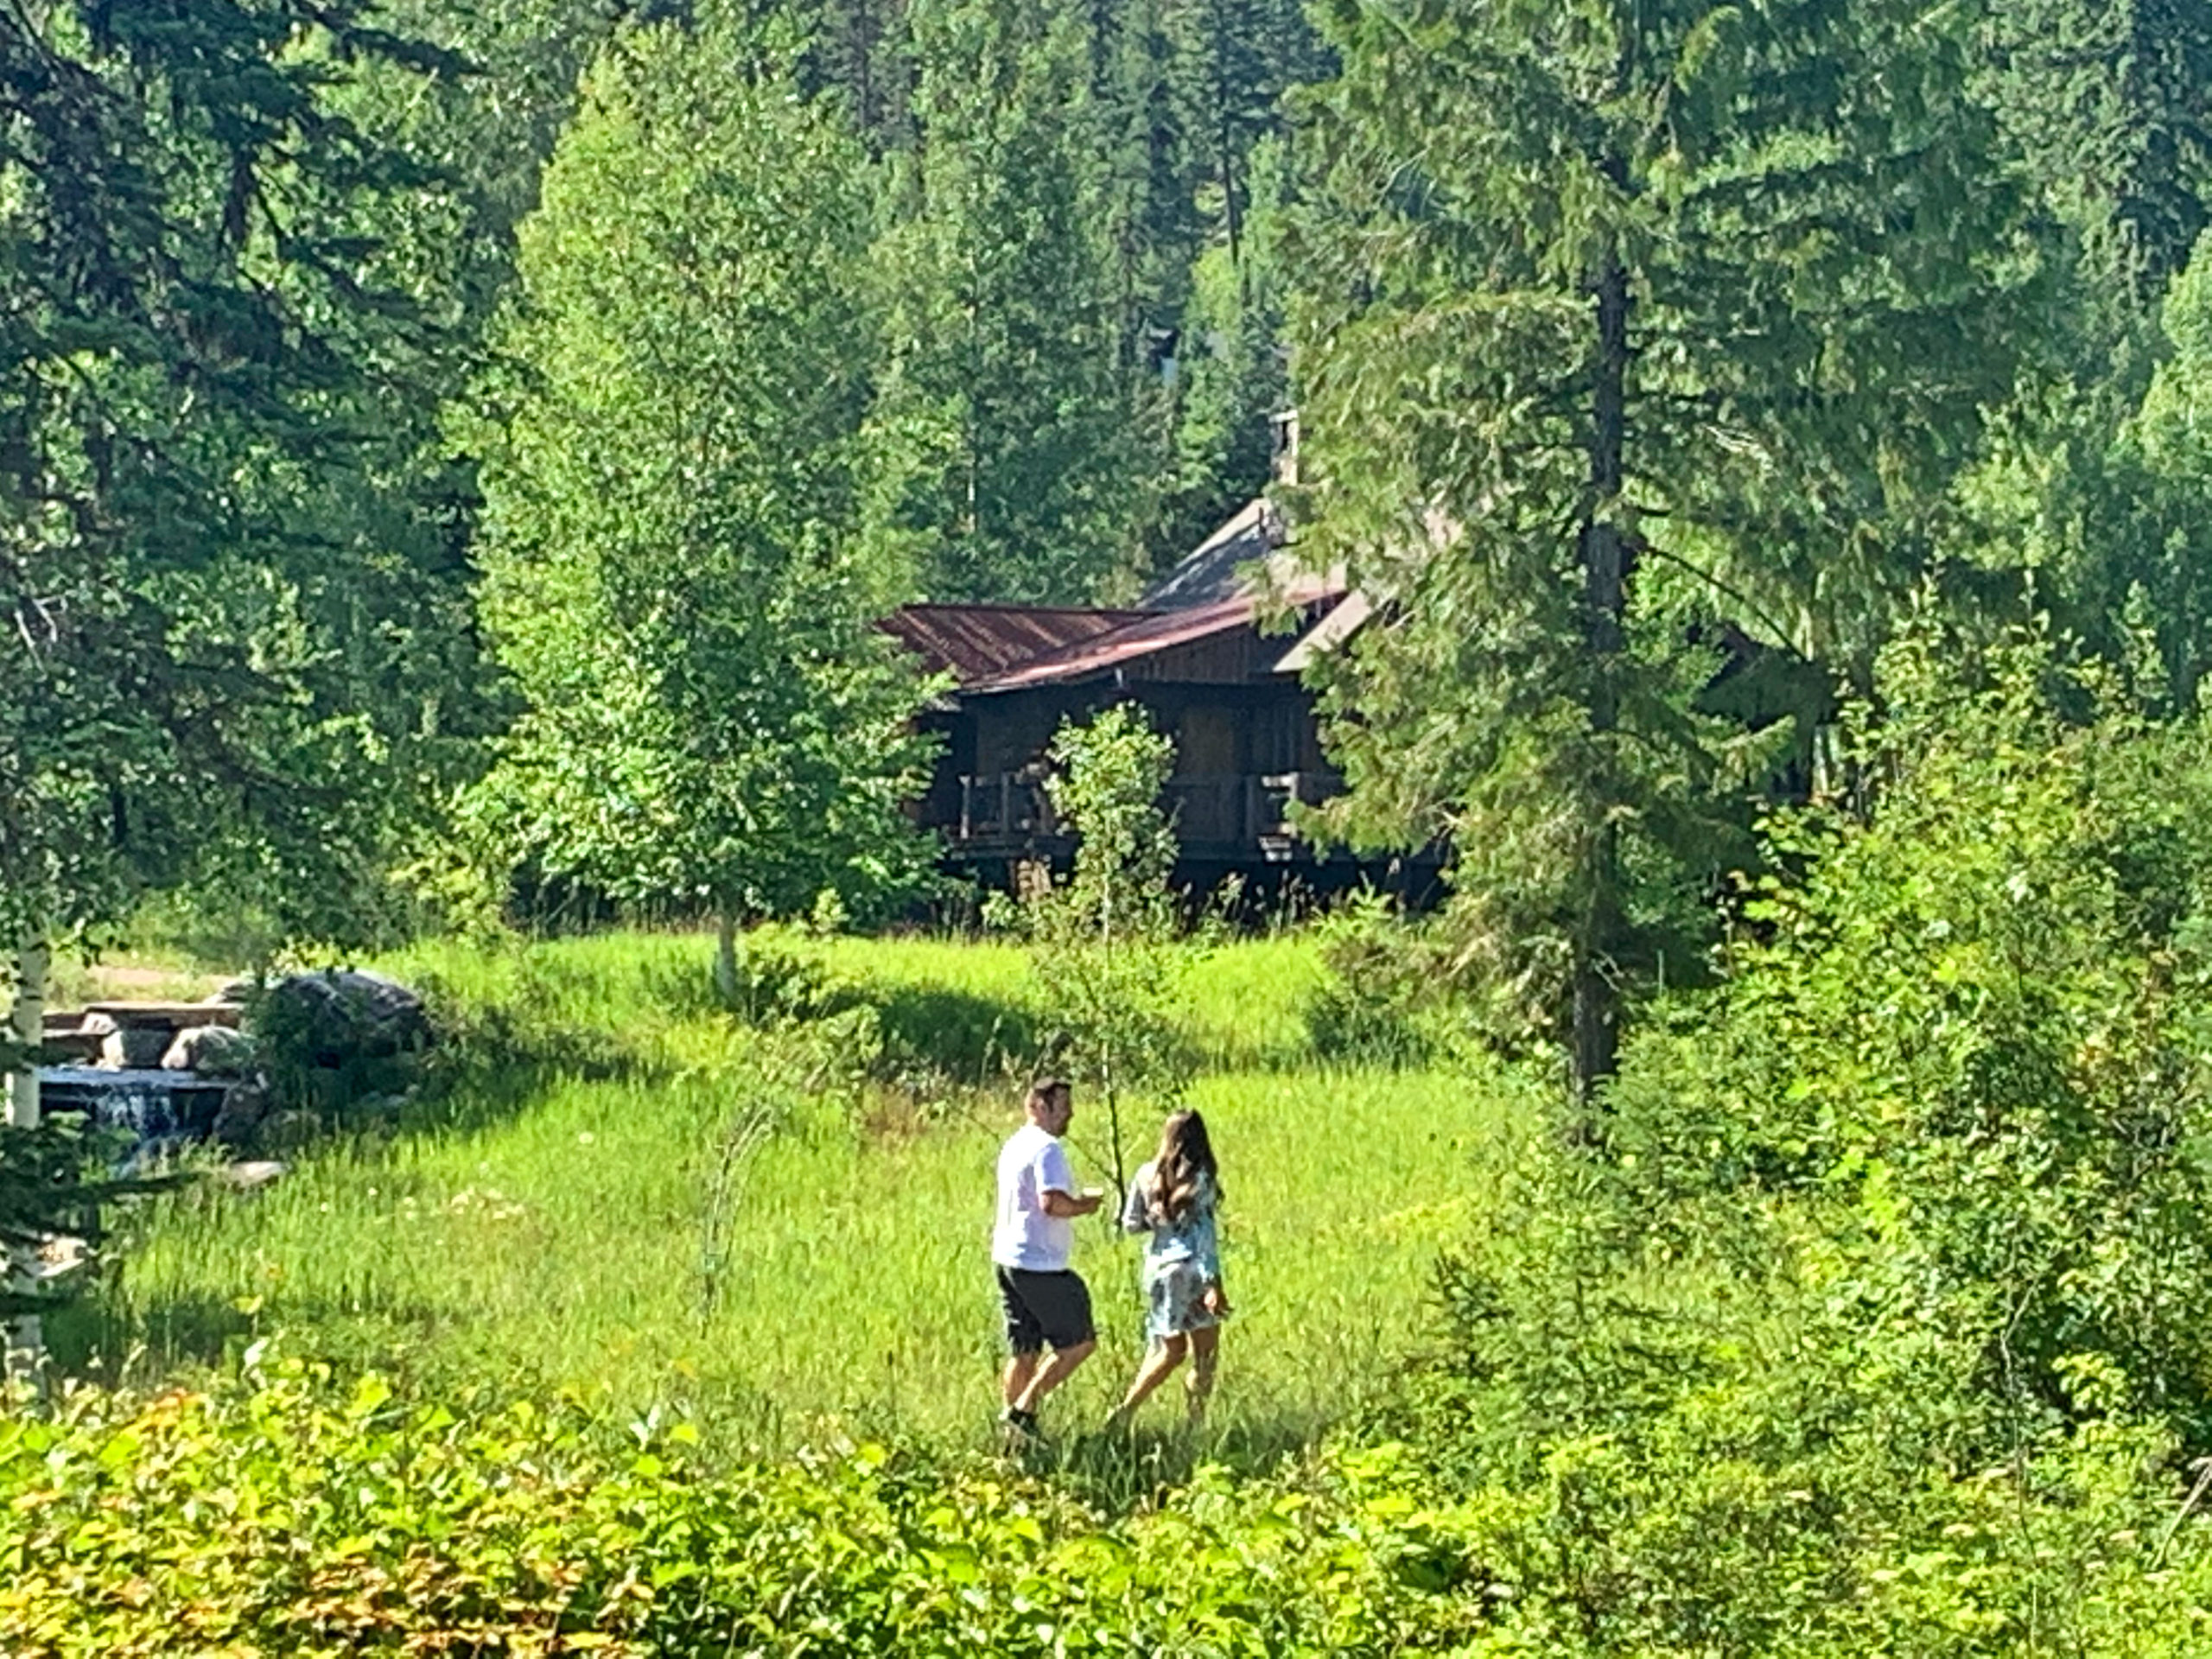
x,y
1181,1257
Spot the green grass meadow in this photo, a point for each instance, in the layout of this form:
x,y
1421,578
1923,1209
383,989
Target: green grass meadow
x,y
628,1196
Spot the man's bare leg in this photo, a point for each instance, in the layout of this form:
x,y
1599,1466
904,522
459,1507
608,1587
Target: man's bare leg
x,y
1018,1370
1054,1371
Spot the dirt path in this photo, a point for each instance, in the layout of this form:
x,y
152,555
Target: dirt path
x,y
131,981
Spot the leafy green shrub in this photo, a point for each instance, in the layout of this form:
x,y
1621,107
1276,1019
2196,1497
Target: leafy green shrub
x,y
1871,1327
1377,989
1978,1027
1731,1434
290,1515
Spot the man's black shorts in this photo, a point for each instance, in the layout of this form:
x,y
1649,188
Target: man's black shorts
x,y
1045,1309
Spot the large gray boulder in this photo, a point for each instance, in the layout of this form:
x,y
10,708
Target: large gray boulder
x,y
134,1048
343,1013
239,1120
211,1051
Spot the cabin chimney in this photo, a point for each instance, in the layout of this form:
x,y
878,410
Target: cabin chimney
x,y
1284,426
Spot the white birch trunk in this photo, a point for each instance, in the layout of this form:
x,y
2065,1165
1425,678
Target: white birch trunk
x,y
27,1019
26,1353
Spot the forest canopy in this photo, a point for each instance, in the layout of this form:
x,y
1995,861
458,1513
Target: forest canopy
x,y
456,453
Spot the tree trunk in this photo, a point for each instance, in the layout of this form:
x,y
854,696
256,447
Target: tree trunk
x,y
27,1024
1596,996
26,1351
726,958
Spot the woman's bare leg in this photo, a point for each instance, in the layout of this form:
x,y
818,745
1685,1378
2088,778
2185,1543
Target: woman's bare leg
x,y
1159,1364
1197,1388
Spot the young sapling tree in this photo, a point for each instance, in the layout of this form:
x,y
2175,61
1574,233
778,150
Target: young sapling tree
x,y
1107,937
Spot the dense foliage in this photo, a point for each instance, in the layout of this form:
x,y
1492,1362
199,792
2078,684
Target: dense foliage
x,y
289,1516
1900,1234
671,511
1631,339
236,642
1770,442
1976,1026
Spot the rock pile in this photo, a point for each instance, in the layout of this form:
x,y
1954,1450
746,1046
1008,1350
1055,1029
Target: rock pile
x,y
212,1063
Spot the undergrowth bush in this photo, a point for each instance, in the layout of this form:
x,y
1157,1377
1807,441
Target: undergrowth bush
x,y
1730,1435
1380,994
1873,1325
1978,1034
287,1515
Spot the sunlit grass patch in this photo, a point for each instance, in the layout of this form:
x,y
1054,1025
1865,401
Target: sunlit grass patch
x,y
705,1231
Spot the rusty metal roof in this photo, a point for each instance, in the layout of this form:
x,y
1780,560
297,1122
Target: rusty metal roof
x,y
1148,635
1222,586
976,642
1140,636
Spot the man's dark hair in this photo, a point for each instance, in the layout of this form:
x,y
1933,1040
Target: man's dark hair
x,y
1043,1089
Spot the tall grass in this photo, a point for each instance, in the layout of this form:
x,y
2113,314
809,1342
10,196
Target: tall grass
x,y
642,1202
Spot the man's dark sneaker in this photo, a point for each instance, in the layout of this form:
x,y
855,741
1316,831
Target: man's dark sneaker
x,y
1021,1427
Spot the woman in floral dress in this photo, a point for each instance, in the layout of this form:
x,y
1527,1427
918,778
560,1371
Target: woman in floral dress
x,y
1173,1199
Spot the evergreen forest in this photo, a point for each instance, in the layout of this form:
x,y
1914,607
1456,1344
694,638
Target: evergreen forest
x,y
455,456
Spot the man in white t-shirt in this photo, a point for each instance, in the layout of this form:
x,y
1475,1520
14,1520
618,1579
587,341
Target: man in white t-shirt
x,y
1047,1303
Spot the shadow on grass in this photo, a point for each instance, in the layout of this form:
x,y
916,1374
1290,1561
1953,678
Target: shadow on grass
x,y
941,1034
1120,1471
960,1036
95,1337
492,1065
120,1341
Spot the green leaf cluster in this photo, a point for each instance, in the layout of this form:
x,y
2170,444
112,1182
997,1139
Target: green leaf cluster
x,y
1876,1330
1975,1025
670,479
296,1512
236,638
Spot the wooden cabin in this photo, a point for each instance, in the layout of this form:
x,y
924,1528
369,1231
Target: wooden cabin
x,y
1194,655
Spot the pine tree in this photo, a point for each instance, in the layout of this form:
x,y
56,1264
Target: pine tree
x,y
1234,60
226,580
2089,509
1619,323
2109,510
1232,376
1083,353
862,49
2106,101
1003,465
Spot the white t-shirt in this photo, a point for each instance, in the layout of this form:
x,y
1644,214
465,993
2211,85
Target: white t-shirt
x,y
1031,1164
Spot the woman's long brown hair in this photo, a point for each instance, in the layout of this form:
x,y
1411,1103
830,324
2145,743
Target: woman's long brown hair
x,y
1186,1155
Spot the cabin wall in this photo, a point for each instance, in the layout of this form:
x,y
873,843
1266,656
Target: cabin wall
x,y
1265,728
1246,744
